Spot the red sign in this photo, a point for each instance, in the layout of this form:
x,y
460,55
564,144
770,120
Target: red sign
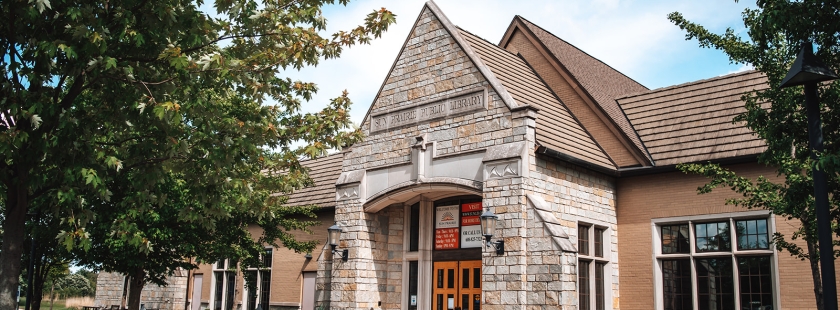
x,y
470,213
446,238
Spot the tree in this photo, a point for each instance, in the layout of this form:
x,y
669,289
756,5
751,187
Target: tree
x,y
94,94
51,262
775,32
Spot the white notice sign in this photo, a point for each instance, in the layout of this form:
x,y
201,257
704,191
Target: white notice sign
x,y
447,216
471,237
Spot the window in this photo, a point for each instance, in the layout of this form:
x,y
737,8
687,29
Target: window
x,y
702,266
224,282
258,292
592,267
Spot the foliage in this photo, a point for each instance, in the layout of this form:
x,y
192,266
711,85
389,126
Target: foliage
x,y
111,109
74,285
775,31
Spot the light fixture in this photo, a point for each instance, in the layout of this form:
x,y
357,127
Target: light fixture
x,y
334,234
488,229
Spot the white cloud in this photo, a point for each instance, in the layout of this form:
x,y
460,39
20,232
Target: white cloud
x,y
632,36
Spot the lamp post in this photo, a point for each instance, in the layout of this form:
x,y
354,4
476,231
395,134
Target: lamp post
x,y
807,70
31,270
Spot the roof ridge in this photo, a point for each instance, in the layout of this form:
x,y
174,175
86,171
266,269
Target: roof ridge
x,y
582,51
681,85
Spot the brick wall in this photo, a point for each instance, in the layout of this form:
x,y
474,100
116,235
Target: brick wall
x,y
286,270
643,198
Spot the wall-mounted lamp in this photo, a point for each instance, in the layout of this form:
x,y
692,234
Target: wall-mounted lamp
x,y
308,256
488,229
334,234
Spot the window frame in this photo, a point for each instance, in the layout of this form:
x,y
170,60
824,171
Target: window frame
x,y
734,253
594,261
225,270
259,271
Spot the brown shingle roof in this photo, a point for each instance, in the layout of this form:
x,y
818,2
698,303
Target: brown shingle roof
x,y
603,83
556,128
693,122
324,172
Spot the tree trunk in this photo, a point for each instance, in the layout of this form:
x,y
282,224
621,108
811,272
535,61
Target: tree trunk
x,y
14,236
38,279
52,295
137,281
815,273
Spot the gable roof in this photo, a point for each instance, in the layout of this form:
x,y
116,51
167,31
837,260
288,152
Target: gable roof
x,y
693,122
557,128
455,34
602,83
324,171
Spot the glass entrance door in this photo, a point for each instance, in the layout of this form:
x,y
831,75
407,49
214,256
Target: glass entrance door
x,y
457,285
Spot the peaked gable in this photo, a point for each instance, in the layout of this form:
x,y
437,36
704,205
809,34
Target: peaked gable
x,y
594,82
429,72
556,127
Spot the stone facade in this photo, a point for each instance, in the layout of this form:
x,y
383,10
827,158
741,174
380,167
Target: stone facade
x,y
110,289
461,119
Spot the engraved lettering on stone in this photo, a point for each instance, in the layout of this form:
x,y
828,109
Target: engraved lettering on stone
x,y
434,110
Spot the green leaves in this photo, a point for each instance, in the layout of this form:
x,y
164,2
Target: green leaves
x,y
774,33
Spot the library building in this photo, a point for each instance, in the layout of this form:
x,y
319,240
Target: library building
x,y
523,174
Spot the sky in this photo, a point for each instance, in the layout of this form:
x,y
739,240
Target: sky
x,y
634,37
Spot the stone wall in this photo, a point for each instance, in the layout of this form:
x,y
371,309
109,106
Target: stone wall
x,y
576,195
431,67
109,291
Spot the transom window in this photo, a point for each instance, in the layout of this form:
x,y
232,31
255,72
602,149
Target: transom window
x,y
592,267
701,265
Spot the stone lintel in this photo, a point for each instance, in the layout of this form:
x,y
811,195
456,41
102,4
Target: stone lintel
x,y
504,151
349,177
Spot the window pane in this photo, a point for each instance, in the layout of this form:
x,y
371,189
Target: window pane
x,y
465,278
229,291
583,239
583,285
752,234
220,264
251,288
599,285
676,284
265,288
267,258
756,288
220,285
675,239
414,228
412,284
713,237
715,288
450,279
476,278
599,242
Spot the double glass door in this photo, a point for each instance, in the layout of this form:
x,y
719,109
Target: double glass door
x,y
457,285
